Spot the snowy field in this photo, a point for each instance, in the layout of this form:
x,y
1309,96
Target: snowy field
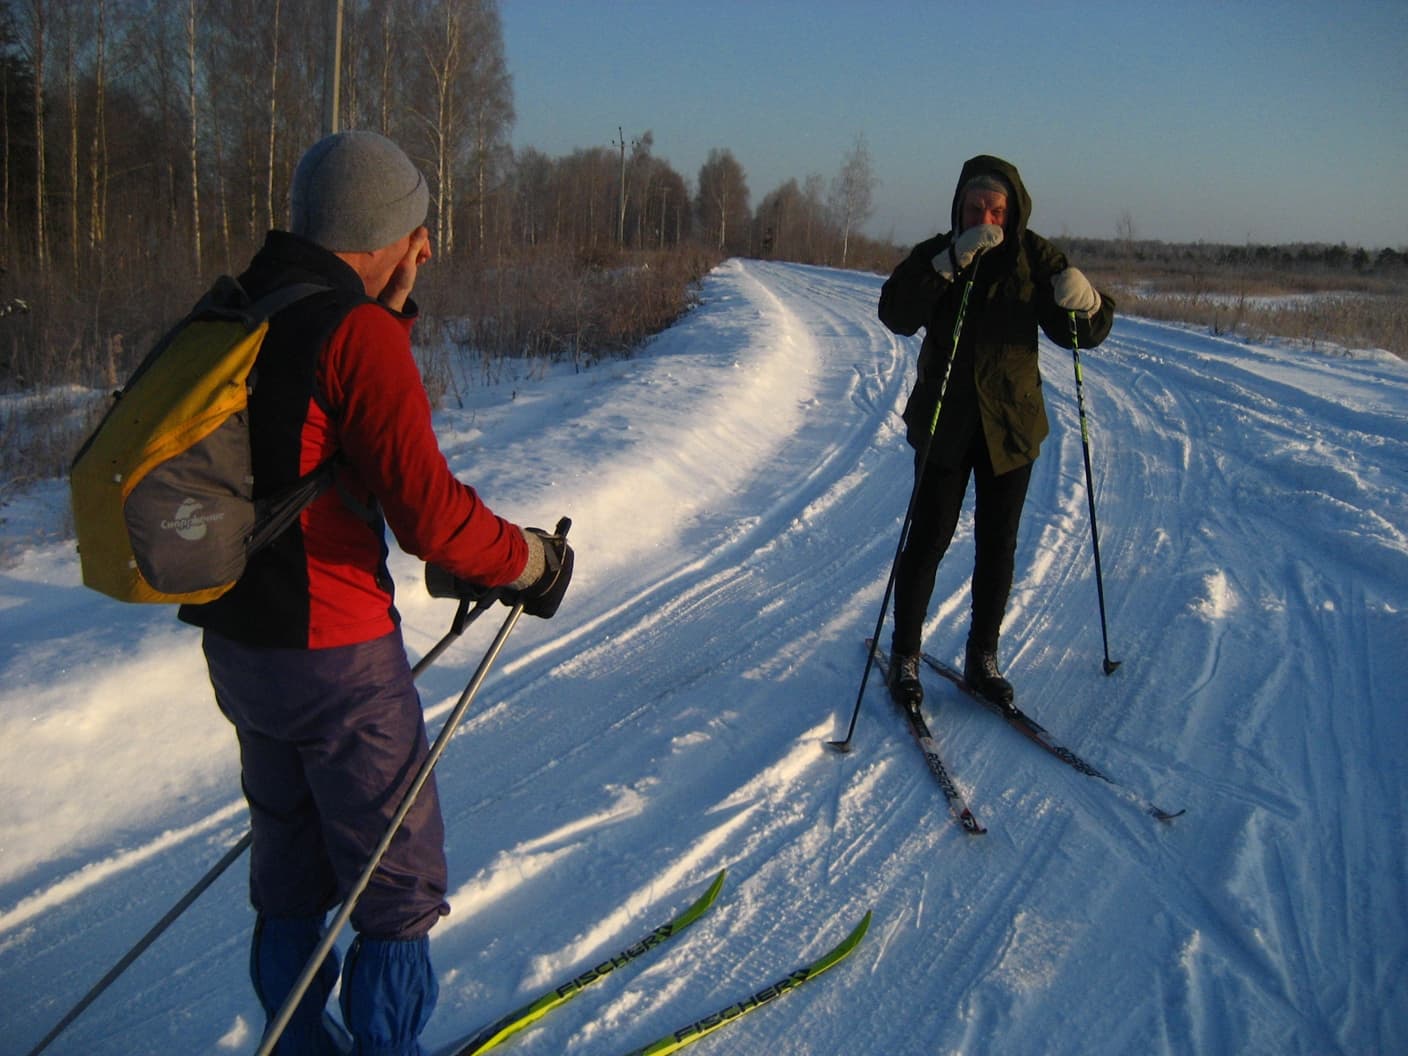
x,y
736,492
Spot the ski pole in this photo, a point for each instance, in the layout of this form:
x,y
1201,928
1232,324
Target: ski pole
x,y
922,461
1109,665
349,903
463,618
146,940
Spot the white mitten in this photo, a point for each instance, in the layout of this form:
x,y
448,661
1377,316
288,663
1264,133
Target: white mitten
x,y
1074,293
966,248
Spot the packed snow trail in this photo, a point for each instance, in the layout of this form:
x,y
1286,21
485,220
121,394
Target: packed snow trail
x,y
736,492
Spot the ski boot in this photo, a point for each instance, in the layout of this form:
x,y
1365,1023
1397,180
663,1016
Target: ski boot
x,y
981,673
905,687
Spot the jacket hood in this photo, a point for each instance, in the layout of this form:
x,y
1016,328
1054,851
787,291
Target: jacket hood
x,y
1019,205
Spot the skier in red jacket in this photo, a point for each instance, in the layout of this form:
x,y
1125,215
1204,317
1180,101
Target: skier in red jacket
x,y
305,652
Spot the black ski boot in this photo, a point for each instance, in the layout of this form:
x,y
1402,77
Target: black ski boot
x,y
981,673
905,686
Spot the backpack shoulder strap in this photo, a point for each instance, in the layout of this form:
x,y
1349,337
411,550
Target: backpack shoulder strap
x,y
277,300
228,299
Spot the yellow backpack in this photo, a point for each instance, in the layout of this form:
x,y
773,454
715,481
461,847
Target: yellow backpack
x,y
163,490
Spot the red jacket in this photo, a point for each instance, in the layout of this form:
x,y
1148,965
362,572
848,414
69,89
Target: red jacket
x,y
335,377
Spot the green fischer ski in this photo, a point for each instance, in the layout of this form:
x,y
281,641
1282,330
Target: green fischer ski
x,y
536,1009
678,1039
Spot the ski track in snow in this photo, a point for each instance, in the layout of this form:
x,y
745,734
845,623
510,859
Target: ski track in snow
x,y
737,491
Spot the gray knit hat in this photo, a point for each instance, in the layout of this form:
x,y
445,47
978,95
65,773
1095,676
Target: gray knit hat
x,y
357,191
987,181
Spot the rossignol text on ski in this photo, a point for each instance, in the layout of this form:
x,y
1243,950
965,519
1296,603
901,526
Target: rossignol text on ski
x,y
957,804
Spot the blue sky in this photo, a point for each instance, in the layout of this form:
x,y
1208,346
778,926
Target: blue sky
x,y
1258,121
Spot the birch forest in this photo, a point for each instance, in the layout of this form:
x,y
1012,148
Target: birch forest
x,y
148,145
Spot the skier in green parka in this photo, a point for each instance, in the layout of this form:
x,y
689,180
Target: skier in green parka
x,y
992,419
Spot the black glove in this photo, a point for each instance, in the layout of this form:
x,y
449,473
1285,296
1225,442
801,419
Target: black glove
x,y
542,597
442,583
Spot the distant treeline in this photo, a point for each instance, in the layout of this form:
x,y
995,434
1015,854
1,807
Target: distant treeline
x,y
1313,258
1320,295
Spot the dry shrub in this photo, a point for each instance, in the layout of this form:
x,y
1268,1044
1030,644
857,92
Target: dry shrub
x,y
89,329
1295,308
40,433
548,305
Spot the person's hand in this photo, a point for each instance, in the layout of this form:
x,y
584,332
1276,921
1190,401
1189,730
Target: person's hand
x,y
1073,292
403,276
542,597
966,248
442,583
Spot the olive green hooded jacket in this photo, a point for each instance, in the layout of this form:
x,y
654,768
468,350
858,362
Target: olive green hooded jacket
x,y
995,382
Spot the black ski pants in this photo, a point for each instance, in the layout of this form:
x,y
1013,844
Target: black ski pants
x,y
997,512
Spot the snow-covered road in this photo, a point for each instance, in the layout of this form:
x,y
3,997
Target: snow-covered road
x,y
737,490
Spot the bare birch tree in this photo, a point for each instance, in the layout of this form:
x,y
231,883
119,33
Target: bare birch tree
x,y
6,156
489,91
98,141
69,17
723,201
193,99
852,193
441,31
815,229
272,115
388,37
779,218
36,51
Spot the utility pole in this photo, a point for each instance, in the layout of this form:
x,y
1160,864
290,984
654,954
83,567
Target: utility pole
x,y
621,211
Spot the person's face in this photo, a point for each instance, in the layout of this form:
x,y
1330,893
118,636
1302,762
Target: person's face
x,y
384,261
983,207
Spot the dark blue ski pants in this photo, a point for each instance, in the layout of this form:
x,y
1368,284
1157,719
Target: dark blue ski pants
x,y
330,739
